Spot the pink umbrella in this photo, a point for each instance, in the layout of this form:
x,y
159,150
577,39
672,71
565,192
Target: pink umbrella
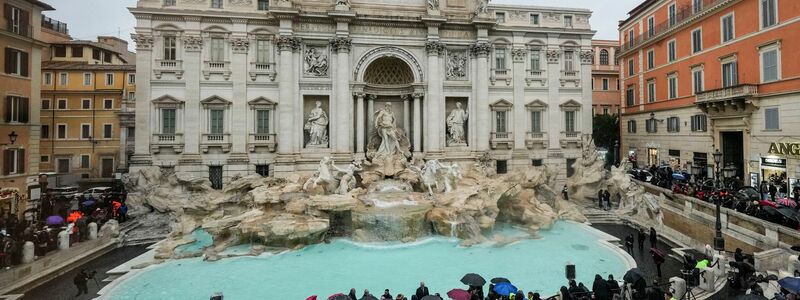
x,y
787,202
458,294
312,298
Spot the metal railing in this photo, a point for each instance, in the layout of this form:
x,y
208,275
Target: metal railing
x,y
54,25
682,14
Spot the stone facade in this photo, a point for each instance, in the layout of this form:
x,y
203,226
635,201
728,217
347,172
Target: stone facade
x,y
241,89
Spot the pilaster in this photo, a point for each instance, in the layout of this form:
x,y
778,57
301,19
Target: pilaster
x,y
520,124
480,51
344,99
239,112
434,101
144,59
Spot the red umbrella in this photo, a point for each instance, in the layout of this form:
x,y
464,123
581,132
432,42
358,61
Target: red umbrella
x,y
312,298
338,296
458,294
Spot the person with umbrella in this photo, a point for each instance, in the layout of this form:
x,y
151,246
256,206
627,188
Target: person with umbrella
x,y
422,290
600,288
475,282
505,289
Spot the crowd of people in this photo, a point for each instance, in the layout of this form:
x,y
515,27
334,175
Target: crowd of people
x,y
59,213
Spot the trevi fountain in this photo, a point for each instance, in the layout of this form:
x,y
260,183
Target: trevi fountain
x,y
388,221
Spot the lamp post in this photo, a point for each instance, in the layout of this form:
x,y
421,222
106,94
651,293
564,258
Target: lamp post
x,y
12,138
719,241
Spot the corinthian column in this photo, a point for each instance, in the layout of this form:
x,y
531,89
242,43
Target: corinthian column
x,y
481,51
287,45
520,121
434,101
344,99
144,126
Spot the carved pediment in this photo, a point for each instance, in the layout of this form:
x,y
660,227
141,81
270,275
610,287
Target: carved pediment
x,y
501,104
261,103
571,105
215,101
167,100
536,105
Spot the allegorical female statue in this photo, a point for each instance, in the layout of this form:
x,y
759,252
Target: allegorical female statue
x,y
456,122
317,126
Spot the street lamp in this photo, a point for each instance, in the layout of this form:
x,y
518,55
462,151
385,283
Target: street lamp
x,y
12,137
719,241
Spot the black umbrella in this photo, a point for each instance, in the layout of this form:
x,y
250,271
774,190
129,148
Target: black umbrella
x,y
788,213
750,297
500,279
473,279
743,267
633,276
430,297
368,297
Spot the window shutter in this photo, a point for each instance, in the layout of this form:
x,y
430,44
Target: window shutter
x,y
10,59
23,110
7,14
735,73
23,61
8,109
6,162
20,161
24,22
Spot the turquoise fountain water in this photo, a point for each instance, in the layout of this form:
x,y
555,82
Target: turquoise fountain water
x,y
531,264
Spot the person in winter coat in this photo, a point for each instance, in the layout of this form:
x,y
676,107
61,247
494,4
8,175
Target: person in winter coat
x,y
80,282
653,238
600,288
422,291
352,294
613,285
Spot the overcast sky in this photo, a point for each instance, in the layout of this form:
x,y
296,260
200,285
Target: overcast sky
x,y
87,19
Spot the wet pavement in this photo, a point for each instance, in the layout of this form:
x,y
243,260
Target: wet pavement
x,y
62,287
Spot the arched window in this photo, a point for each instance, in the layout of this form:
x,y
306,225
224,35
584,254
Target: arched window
x,y
604,57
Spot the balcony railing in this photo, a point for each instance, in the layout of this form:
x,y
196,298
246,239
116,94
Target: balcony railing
x,y
168,66
21,30
502,140
569,73
535,139
262,140
216,67
54,25
570,137
502,73
168,140
259,68
682,15
535,73
209,140
738,91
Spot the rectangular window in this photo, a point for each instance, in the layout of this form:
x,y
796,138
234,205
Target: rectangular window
x,y
110,79
672,82
769,13
45,132
651,26
131,96
131,133
697,40
96,54
535,60
697,5
84,161
168,121
651,125
569,58
629,101
569,121
673,124
772,119
217,50
631,126
536,162
86,104
651,59
262,121
262,170
16,109
86,131
730,76
534,19
262,51
108,103
672,51
62,103
630,67
500,59
536,121
108,131
169,2
61,131
45,103
16,62
727,28
651,91
217,121
568,21
500,17
630,37
60,51
697,81
47,78
14,161
44,158
131,79
107,56
216,3
263,4
699,123
769,65
605,84
87,79
170,48
77,51
671,10
500,121
62,78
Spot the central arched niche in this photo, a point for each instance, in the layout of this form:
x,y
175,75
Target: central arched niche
x,y
389,71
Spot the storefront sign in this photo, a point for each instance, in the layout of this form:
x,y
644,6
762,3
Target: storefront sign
x,y
786,149
773,162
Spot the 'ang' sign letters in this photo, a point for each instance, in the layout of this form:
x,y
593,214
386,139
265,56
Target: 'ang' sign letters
x,y
787,149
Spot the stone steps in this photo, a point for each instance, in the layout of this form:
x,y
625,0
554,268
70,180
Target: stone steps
x,y
596,216
143,240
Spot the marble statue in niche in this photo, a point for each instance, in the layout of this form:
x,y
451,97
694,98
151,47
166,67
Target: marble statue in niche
x,y
317,127
315,62
433,4
387,139
457,65
482,7
456,124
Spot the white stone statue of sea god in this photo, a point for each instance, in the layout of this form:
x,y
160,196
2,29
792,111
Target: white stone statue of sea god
x,y
317,127
387,140
456,122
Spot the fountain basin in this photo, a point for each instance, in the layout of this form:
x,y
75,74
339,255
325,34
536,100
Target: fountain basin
x,y
325,269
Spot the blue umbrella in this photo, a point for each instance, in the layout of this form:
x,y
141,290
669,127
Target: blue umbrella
x,y
54,220
88,203
505,288
678,176
791,284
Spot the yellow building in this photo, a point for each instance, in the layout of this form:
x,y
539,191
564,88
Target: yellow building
x,y
87,108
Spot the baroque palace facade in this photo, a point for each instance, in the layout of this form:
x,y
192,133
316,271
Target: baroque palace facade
x,y
233,87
